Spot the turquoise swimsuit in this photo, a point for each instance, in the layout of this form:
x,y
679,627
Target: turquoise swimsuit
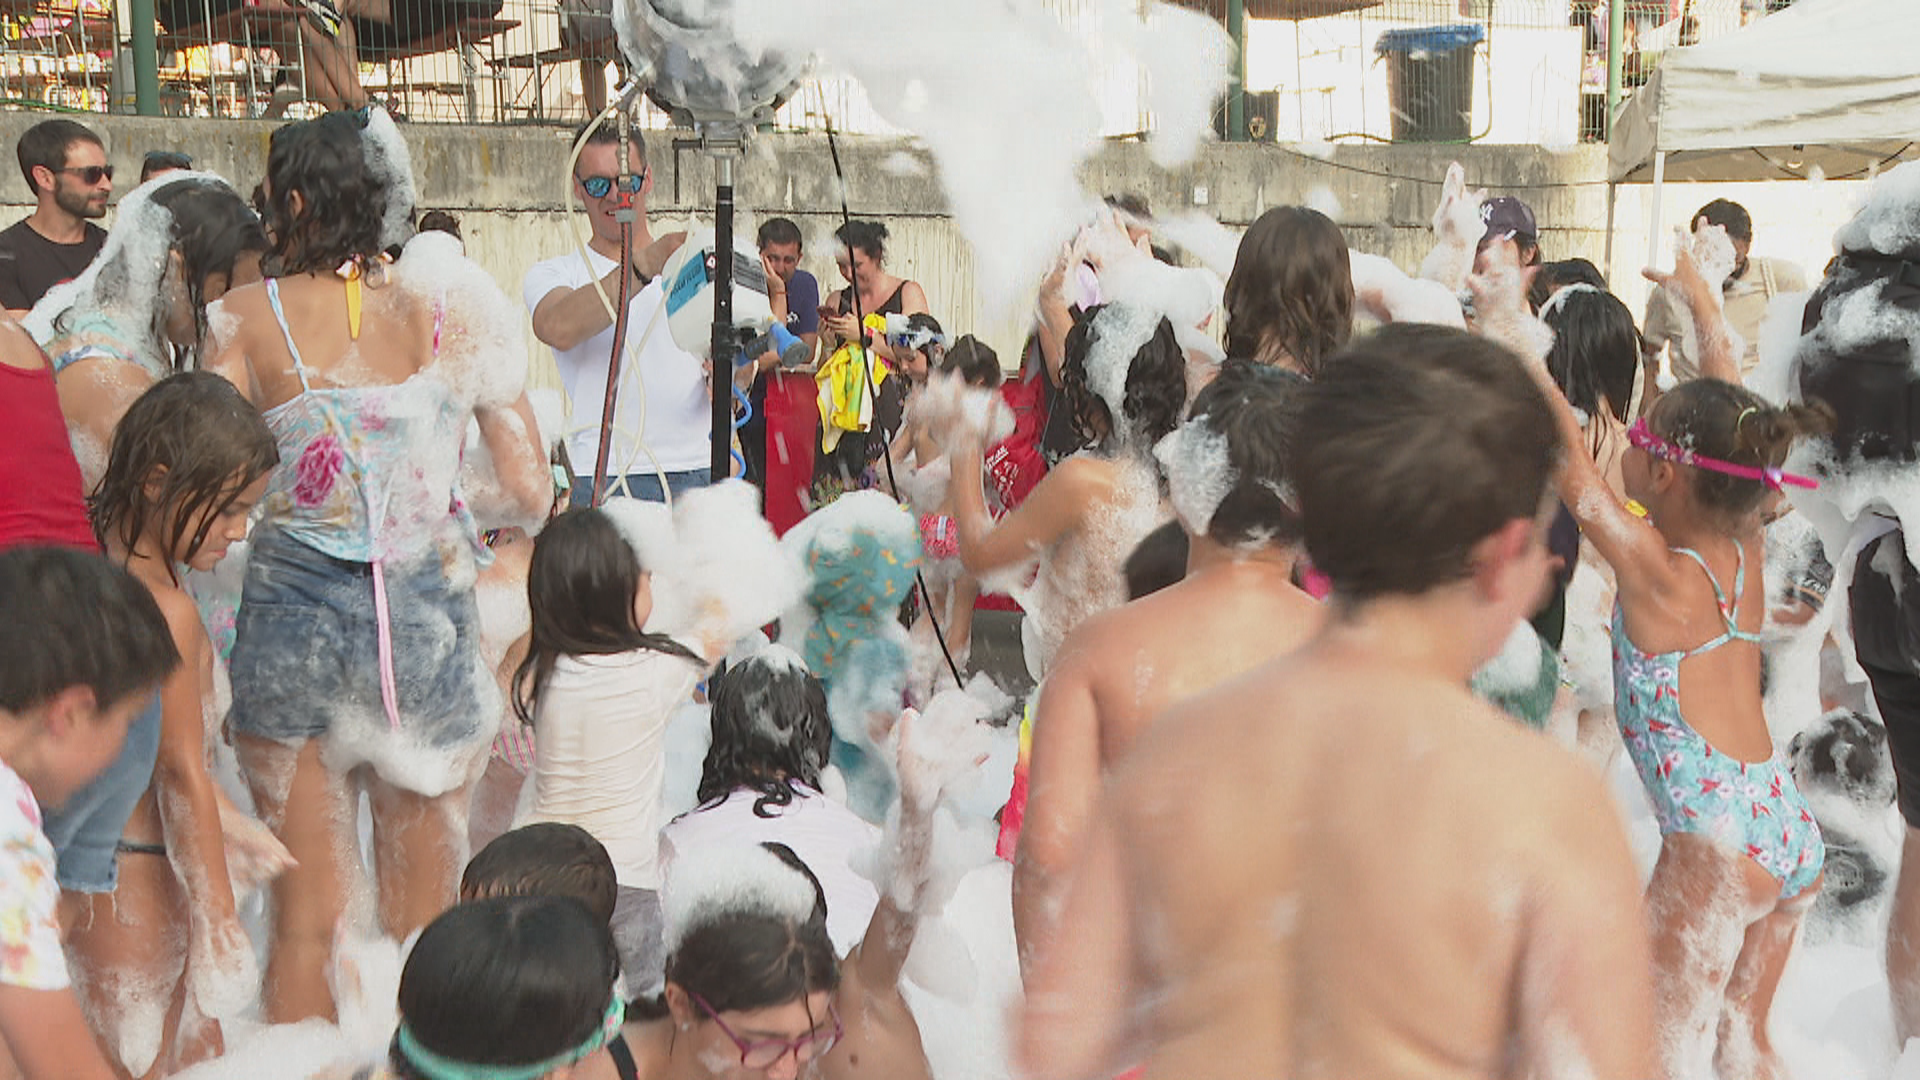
x,y
1753,808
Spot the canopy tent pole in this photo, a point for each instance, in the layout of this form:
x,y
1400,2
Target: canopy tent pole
x,y
1613,202
1616,51
1653,213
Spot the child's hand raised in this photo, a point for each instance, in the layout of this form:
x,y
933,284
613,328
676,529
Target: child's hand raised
x,y
1500,303
1689,281
938,747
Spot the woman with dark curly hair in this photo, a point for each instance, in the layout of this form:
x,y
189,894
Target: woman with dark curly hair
x,y
761,783
356,661
1290,298
1124,381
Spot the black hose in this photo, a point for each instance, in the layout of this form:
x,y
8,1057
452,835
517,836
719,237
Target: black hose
x,y
866,376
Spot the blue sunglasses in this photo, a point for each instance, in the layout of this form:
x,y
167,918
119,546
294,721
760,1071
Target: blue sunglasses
x,y
597,187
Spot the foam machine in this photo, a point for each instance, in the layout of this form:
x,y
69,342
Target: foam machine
x,y
683,54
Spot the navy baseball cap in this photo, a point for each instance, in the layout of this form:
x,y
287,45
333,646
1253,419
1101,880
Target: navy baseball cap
x,y
1506,216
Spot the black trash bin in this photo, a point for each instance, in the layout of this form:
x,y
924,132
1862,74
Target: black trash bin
x,y
1430,81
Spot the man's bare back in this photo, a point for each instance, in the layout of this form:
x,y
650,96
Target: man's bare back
x,y
1123,667
1332,868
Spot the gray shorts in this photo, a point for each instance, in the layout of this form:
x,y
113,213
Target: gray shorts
x,y
638,936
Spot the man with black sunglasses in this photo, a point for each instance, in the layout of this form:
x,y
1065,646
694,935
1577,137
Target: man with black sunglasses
x,y
663,416
65,165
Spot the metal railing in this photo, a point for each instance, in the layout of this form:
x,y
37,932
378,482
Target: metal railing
x,y
1531,71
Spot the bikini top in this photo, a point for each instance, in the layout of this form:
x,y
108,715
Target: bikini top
x,y
95,335
368,474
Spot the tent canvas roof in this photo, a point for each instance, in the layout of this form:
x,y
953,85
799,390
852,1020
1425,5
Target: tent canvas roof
x,y
1827,83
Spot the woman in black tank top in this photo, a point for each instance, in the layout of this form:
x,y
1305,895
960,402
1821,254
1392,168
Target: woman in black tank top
x,y
862,259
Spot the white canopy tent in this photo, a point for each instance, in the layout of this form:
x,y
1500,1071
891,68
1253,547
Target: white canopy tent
x,y
1832,85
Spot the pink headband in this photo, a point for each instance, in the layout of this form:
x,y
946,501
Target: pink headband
x,y
1643,437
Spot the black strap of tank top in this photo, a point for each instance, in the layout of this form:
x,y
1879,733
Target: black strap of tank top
x,y
891,306
622,1055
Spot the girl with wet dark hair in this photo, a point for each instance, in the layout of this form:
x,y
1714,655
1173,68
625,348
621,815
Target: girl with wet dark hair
x,y
139,313
948,375
1232,606
369,374
762,782
1091,509
753,985
189,461
599,691
1741,856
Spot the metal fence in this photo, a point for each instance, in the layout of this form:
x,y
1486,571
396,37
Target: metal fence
x,y
1528,71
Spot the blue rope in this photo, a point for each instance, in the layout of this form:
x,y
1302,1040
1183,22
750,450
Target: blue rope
x,y
741,420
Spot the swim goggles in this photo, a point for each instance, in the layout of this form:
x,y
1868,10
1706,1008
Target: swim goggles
x,y
434,1066
1641,436
597,187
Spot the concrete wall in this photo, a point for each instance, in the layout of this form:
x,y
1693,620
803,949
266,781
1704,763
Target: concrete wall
x,y
506,184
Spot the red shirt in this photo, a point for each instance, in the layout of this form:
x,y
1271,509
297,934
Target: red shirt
x,y
41,497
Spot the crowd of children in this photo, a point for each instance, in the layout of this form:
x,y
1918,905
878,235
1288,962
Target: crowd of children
x,y
1263,823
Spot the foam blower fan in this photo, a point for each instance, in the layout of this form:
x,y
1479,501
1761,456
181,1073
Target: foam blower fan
x,y
695,70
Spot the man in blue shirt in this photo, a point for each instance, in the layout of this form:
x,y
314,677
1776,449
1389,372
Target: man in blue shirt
x,y
779,241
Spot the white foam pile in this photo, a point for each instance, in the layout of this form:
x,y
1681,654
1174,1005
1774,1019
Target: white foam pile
x,y
1130,277
1213,244
947,407
739,879
390,162
1200,474
1119,331
719,573
980,62
1385,292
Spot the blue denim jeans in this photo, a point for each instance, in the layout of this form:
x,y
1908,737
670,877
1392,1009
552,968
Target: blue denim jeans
x,y
85,829
642,486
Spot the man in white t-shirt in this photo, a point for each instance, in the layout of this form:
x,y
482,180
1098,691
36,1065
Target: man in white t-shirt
x,y
663,416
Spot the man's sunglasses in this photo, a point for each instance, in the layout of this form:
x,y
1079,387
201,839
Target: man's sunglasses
x,y
90,174
597,187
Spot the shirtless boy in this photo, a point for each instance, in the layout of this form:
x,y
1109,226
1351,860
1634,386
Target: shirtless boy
x,y
1122,667
1343,864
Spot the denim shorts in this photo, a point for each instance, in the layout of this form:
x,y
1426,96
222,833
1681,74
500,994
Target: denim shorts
x,y
306,660
86,827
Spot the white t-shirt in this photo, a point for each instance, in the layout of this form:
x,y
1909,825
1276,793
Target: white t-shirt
x,y
30,955
600,757
827,836
679,410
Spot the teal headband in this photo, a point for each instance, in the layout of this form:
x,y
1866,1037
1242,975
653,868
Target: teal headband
x,y
436,1067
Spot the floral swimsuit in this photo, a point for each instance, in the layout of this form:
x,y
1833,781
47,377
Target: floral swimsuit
x,y
1754,808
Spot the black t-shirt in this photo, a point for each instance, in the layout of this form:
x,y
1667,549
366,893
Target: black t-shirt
x,y
31,264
